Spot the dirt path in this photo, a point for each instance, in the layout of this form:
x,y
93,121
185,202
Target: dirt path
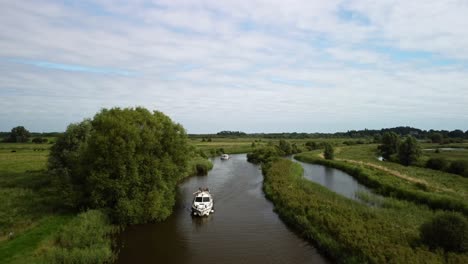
x,y
398,174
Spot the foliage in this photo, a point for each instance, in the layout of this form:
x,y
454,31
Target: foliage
x,y
329,152
448,230
125,161
39,140
264,154
85,239
18,134
346,230
409,151
437,163
436,137
390,144
285,147
232,133
459,167
200,166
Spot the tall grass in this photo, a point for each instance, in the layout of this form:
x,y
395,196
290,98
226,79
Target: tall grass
x,y
85,239
346,230
388,185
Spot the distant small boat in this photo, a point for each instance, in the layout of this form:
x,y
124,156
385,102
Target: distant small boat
x,y
225,157
202,202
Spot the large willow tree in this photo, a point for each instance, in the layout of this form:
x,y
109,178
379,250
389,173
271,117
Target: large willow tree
x,y
125,161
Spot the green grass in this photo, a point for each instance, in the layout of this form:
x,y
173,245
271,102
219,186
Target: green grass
x,y
439,181
85,239
21,249
346,230
428,192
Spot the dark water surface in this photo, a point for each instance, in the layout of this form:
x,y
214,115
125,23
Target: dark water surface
x,y
243,229
335,180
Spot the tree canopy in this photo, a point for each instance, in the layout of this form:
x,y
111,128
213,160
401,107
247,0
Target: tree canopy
x,y
329,152
18,134
126,161
390,144
409,151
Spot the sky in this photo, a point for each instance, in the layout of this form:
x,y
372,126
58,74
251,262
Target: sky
x,y
252,66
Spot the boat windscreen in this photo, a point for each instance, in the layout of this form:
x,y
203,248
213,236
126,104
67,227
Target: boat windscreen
x,y
198,199
206,199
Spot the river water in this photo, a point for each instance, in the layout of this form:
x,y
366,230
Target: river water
x,y
335,180
243,229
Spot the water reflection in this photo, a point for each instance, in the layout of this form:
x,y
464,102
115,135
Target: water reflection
x,y
335,180
243,229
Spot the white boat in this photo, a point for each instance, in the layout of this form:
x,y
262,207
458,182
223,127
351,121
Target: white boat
x,y
202,202
225,157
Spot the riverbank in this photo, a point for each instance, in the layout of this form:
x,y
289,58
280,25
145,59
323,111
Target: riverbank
x,y
346,230
30,221
435,189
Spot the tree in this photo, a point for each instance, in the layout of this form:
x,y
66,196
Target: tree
x,y
457,133
329,152
390,144
19,134
447,230
436,138
125,161
285,147
409,151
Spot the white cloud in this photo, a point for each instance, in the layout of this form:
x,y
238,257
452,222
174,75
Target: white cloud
x,y
241,65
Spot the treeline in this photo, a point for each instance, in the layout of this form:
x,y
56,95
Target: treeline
x,y
272,151
20,134
440,135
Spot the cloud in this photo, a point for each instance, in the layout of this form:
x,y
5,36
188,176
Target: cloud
x,y
236,65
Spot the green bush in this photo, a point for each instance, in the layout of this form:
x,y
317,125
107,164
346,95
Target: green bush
x,y
200,166
437,163
85,239
447,230
329,152
264,154
459,167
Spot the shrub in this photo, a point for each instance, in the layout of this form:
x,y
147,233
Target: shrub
x,y
459,167
448,230
437,163
329,152
86,239
263,155
39,140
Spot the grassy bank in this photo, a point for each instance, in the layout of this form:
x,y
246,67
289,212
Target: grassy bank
x,y
450,196
28,212
349,231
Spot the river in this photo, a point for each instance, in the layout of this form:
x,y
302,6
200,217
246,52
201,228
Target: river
x,y
243,229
